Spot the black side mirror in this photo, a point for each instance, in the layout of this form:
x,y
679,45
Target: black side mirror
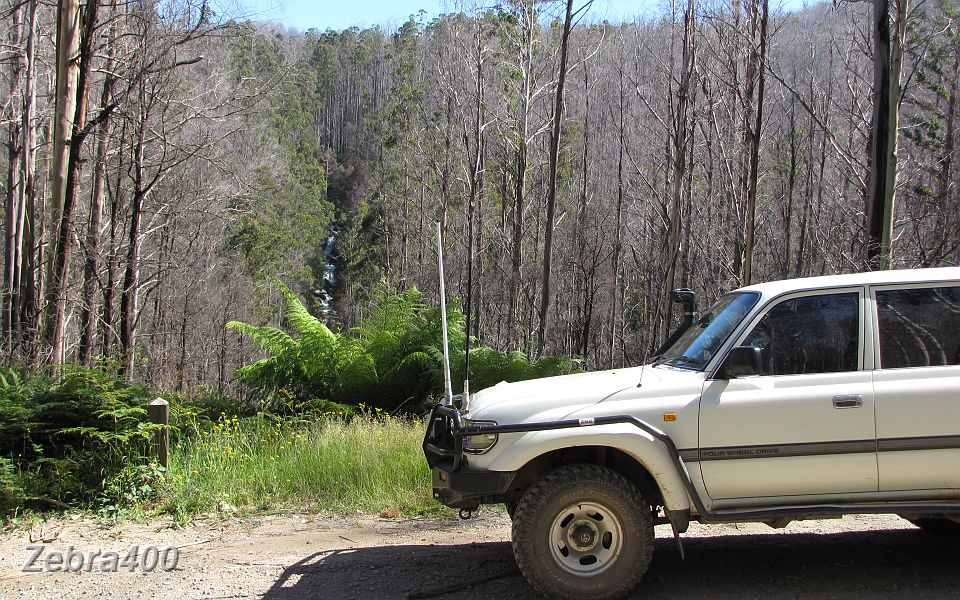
x,y
741,361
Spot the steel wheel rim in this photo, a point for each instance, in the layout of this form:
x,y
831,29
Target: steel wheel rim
x,y
586,538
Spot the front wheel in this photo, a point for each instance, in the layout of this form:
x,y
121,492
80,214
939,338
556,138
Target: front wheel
x,y
583,532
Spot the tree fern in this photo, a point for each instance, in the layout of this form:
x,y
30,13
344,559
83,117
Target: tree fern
x,y
392,358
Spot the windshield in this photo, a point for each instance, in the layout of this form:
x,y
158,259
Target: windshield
x,y
700,342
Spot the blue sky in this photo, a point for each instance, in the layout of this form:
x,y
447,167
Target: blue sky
x,y
340,14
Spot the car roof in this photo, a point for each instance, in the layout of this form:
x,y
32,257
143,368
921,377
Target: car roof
x,y
775,288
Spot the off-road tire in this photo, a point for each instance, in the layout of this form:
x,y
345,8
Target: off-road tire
x,y
536,525
936,525
511,508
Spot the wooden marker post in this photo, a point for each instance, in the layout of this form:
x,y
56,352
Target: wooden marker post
x,y
159,412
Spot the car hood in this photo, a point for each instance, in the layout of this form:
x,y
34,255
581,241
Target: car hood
x,y
552,398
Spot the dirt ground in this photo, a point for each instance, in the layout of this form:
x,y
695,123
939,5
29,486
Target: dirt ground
x,y
320,556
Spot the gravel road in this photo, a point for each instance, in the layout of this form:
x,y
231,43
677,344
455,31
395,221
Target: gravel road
x,y
326,557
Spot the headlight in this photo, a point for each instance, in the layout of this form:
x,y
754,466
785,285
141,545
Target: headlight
x,y
480,443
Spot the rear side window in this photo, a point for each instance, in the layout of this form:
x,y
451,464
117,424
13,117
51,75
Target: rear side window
x,y
810,334
919,327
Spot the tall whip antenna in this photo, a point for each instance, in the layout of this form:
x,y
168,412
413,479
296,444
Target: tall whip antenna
x,y
448,388
465,403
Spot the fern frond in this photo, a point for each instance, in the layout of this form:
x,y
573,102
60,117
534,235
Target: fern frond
x,y
356,378
411,377
318,343
273,340
296,313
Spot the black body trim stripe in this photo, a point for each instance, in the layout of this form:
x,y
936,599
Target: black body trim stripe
x,y
937,442
934,442
785,450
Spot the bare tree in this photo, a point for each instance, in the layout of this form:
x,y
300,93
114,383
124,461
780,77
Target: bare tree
x,y
680,140
545,291
61,215
889,31
754,130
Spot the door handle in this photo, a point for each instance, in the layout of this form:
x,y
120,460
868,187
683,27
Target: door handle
x,y
847,401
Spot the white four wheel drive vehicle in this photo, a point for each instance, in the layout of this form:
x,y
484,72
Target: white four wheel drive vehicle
x,y
795,399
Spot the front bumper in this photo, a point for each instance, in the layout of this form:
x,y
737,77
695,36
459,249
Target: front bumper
x,y
454,484
467,488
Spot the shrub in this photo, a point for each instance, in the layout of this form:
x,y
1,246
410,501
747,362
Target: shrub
x,y
133,485
67,434
392,360
11,489
488,367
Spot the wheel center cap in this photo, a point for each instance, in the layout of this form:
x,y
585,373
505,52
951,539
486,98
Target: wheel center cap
x,y
582,536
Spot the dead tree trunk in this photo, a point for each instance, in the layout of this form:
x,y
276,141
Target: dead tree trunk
x,y
552,182
525,59
91,266
15,153
68,46
129,294
475,203
618,219
887,66
679,165
130,288
760,60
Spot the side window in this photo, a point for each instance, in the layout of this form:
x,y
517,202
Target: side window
x,y
810,334
919,327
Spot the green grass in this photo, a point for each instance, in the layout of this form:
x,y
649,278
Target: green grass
x,y
367,464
